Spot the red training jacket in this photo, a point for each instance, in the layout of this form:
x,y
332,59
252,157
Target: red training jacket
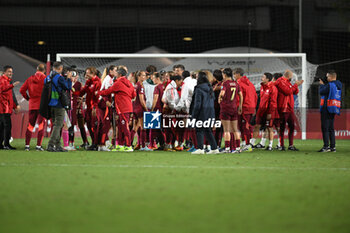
x,y
34,85
90,87
124,92
273,100
250,98
268,100
285,100
6,98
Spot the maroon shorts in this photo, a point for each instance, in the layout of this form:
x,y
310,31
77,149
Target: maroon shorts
x,y
225,116
276,122
261,120
138,115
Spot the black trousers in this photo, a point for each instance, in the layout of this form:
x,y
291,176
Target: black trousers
x,y
5,129
327,125
201,132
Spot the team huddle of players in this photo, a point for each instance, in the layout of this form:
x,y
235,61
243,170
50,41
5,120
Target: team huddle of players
x,y
117,100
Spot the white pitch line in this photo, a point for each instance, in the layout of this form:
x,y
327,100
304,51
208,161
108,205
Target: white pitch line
x,y
308,144
168,166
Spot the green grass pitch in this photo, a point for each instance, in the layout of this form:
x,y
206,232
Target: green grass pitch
x,y
169,192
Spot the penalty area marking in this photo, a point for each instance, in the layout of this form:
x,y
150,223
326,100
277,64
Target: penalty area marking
x,y
168,166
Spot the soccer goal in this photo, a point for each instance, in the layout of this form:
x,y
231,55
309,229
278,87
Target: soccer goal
x,y
254,65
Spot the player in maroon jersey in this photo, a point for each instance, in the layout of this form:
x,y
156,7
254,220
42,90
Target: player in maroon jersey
x,y
139,107
217,89
229,110
158,106
77,116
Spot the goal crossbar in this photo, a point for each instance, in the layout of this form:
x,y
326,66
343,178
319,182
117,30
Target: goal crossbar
x,y
175,55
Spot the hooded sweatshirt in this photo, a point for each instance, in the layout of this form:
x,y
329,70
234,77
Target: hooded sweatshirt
x,y
90,87
250,97
32,88
124,92
285,99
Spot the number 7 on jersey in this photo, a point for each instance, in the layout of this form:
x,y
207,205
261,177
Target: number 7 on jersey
x,y
233,90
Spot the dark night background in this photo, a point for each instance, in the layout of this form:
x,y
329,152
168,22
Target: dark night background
x,y
106,26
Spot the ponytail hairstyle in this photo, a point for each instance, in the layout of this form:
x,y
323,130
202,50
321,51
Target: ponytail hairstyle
x,y
227,72
104,74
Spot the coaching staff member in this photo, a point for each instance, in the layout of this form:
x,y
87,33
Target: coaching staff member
x,y
7,105
330,93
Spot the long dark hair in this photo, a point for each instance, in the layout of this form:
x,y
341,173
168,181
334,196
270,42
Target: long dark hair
x,y
202,78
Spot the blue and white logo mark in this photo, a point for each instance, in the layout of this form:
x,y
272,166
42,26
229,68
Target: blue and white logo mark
x,y
151,120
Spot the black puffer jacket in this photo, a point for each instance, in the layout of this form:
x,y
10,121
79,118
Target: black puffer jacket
x,y
202,106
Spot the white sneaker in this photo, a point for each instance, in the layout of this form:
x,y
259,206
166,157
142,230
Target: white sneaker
x,y
247,148
108,143
213,152
103,148
226,151
198,152
69,148
146,149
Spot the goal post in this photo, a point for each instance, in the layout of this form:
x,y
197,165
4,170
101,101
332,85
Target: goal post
x,y
255,64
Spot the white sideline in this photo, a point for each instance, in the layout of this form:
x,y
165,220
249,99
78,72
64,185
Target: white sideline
x,y
168,166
